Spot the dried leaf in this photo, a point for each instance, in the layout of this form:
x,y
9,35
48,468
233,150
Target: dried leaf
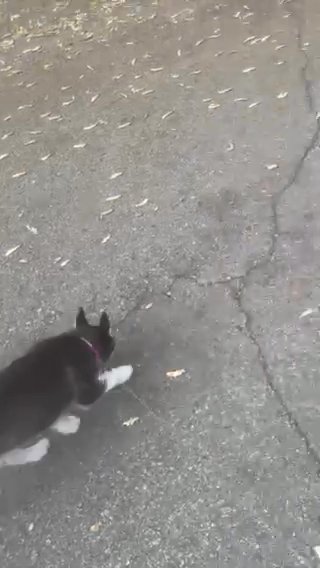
x,y
6,135
167,114
106,212
316,550
80,145
64,262
90,126
142,203
115,175
308,312
32,49
32,229
96,527
223,91
125,124
250,38
10,251
94,98
282,95
230,147
213,106
69,102
175,374
18,175
131,421
248,69
113,197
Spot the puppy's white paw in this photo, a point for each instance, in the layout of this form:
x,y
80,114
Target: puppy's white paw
x,y
38,451
67,425
117,376
123,373
21,456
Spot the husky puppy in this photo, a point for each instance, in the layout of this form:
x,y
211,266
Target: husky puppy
x,y
38,390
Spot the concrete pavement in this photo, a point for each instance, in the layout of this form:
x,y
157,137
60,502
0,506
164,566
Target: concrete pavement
x,y
160,160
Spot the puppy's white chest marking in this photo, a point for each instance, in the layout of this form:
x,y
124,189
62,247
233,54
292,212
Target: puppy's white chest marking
x,y
116,376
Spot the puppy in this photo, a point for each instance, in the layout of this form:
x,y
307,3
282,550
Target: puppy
x,y
38,390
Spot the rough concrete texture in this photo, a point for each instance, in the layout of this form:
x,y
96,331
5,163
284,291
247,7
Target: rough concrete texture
x,y
208,261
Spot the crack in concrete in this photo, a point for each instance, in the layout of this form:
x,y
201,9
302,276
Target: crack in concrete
x,y
249,329
238,294
191,274
236,285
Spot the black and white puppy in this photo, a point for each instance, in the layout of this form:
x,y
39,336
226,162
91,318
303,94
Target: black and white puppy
x,y
38,390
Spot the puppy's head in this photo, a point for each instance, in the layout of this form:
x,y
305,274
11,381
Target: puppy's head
x,y
98,335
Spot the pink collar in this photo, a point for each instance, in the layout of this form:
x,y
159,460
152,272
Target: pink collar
x,y
93,349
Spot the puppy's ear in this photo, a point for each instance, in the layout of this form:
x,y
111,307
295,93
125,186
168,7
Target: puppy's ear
x,y
104,322
81,319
